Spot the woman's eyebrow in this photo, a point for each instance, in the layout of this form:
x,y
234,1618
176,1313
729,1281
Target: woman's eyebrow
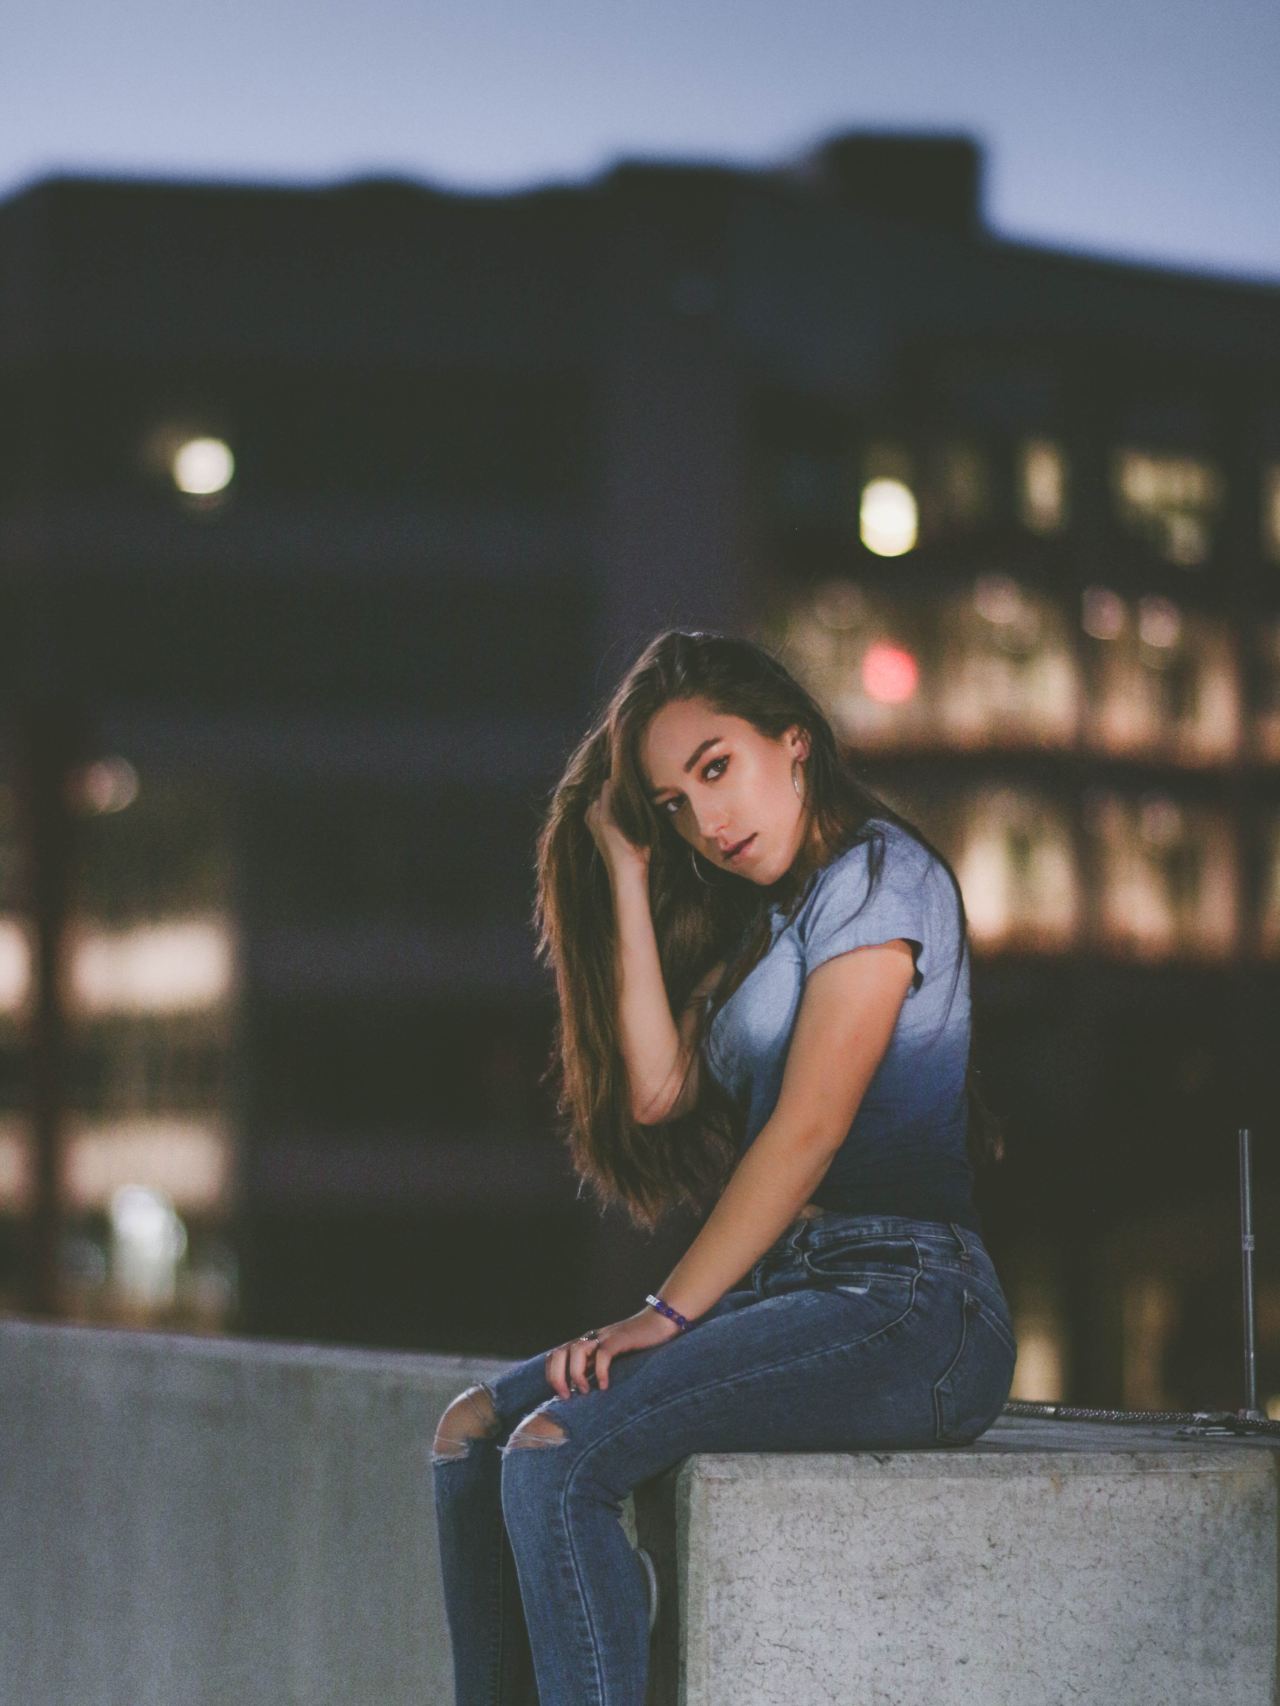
x,y
689,762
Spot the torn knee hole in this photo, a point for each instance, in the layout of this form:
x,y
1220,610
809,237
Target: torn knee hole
x,y
471,1416
537,1430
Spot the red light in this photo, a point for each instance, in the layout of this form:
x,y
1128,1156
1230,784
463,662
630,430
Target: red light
x,y
889,674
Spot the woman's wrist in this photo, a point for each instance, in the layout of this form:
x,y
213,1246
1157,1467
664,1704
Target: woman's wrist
x,y
663,1308
628,867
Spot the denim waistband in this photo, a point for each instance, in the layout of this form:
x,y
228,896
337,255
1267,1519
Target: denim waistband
x,y
945,1239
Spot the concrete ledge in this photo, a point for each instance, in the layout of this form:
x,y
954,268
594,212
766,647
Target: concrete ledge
x,y
1034,1566
198,1521
188,1521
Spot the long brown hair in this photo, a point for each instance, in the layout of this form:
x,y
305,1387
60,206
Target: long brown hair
x,y
651,1170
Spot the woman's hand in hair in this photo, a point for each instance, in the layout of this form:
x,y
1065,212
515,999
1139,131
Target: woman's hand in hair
x,y
570,1366
614,847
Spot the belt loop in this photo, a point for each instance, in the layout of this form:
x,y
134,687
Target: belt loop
x,y
965,1252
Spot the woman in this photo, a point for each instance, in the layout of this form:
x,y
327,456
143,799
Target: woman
x,y
707,854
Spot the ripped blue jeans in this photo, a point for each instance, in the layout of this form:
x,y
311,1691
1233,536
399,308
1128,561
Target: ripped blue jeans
x,y
851,1333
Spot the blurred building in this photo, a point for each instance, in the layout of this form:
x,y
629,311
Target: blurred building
x,y
327,518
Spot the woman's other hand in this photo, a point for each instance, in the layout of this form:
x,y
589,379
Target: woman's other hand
x,y
571,1365
614,847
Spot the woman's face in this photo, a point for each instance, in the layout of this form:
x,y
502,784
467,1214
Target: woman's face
x,y
719,781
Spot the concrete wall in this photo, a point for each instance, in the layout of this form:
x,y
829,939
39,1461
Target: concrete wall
x,y
190,1521
1019,1571
195,1521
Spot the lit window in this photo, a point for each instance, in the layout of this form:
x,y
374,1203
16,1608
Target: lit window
x,y
106,784
1042,486
1007,671
1017,871
1036,1300
17,1171
1171,501
1169,880
1162,681
202,466
148,1240
15,962
887,517
1271,513
169,966
859,651
190,1158
1102,613
1149,1315
1266,726
991,667
1037,1374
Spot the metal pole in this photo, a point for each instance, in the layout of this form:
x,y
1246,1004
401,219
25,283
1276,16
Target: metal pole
x,y
1246,1256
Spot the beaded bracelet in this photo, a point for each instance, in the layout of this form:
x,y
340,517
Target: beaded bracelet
x,y
667,1310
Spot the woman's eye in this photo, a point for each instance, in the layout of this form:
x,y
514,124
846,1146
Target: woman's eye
x,y
706,775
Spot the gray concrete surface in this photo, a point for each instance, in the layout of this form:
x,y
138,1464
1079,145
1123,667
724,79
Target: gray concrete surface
x,y
199,1521
1034,1566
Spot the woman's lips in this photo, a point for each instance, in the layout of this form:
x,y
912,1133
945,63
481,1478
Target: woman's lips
x,y
737,854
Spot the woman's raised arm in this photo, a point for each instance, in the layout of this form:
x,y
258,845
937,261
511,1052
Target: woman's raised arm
x,y
652,1044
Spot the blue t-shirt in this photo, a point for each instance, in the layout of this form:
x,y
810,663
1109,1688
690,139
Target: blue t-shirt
x,y
905,1151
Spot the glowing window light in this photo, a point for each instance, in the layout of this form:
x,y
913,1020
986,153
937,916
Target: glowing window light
x,y
1017,871
1267,714
160,968
1042,485
1037,1374
1152,904
148,1240
1102,613
1186,538
106,785
202,466
888,520
1271,512
999,599
1170,498
190,1160
1148,1316
1159,622
16,1165
15,964
889,674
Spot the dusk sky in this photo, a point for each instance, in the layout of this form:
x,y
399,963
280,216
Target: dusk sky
x,y
1137,131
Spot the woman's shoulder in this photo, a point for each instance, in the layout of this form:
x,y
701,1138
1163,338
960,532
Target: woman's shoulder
x,y
883,847
883,861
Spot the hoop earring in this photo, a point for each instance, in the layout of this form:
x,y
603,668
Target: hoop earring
x,y
794,783
697,873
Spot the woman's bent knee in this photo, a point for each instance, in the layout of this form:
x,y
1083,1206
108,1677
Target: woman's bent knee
x,y
536,1430
471,1416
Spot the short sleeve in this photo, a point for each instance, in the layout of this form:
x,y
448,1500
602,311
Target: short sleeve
x,y
839,916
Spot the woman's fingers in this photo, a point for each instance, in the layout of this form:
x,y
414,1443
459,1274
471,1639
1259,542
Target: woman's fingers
x,y
567,1367
555,1371
578,1359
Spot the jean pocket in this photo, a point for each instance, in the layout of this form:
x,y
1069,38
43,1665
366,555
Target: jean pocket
x,y
852,1260
972,1392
